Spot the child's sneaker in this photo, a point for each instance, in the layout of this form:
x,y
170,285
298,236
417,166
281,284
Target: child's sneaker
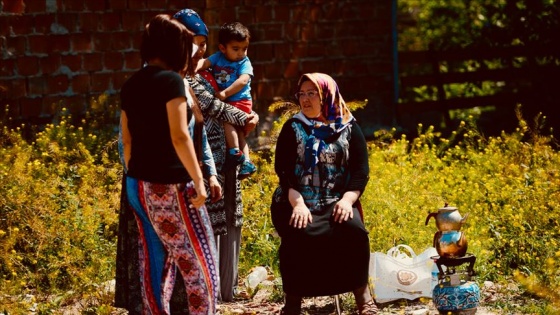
x,y
246,170
234,157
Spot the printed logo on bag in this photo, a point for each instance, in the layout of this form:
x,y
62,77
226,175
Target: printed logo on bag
x,y
406,277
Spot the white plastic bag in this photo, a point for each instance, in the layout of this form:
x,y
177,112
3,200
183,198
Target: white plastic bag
x,y
401,275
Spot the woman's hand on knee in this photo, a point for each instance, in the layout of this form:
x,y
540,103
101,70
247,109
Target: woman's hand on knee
x,y
301,216
342,211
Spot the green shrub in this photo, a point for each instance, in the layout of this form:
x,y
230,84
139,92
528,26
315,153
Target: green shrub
x,y
58,210
59,198
508,185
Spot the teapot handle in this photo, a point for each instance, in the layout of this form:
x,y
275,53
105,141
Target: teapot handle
x,y
433,214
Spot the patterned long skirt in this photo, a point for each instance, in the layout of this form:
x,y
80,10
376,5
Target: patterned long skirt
x,y
173,235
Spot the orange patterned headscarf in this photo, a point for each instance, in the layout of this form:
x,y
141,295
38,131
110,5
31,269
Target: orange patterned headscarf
x,y
335,111
334,108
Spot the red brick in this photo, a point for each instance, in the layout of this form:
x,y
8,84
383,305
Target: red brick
x,y
100,82
37,85
38,44
58,43
261,52
16,45
8,67
215,4
282,51
136,40
117,5
327,30
13,6
73,62
73,5
292,70
322,49
132,60
324,66
228,15
31,107
120,41
52,104
299,50
81,42
271,32
133,21
156,4
50,63
22,24
282,13
5,29
10,107
43,22
102,41
233,3
76,104
93,62
14,88
274,69
120,77
211,18
264,13
113,60
95,5
110,22
81,84
57,84
136,4
68,21
28,65
150,13
89,22
308,32
182,4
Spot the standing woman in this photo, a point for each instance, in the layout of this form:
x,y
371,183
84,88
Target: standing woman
x,y
226,214
322,165
164,183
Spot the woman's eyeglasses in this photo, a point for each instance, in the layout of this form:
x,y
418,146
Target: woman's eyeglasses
x,y
309,94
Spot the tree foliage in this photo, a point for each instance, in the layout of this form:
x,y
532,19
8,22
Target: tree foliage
x,y
441,25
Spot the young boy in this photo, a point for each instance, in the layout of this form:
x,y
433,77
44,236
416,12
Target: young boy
x,y
233,71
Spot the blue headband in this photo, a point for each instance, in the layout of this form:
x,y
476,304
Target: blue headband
x,y
192,21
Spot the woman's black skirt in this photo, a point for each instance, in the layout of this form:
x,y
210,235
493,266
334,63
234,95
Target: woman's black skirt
x,y
325,258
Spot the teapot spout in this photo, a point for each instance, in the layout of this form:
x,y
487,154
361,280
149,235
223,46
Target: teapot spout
x,y
463,219
433,214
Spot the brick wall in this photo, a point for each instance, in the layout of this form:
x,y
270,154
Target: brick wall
x,y
66,52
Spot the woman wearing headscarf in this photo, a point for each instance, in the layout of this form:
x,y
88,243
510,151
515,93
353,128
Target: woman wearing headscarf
x,y
322,165
226,214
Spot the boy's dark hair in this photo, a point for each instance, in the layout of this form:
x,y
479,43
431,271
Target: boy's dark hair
x,y
169,40
233,32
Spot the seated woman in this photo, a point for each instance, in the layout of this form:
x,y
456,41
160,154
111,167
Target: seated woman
x,y
322,165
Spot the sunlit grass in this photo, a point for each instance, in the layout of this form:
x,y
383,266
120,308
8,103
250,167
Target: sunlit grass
x,y
59,198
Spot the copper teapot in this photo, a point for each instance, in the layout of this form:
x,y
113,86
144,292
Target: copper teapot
x,y
447,219
450,243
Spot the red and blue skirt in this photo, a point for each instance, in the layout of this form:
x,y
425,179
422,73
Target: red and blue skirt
x,y
174,236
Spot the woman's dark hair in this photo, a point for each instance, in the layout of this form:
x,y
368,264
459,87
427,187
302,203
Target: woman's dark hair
x,y
169,40
233,32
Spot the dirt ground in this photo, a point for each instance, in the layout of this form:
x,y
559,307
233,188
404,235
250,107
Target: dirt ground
x,y
327,306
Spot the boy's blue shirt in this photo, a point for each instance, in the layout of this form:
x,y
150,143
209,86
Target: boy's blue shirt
x,y
226,72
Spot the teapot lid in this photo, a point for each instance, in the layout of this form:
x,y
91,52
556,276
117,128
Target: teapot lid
x,y
446,207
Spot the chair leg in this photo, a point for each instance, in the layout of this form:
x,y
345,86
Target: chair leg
x,y
337,304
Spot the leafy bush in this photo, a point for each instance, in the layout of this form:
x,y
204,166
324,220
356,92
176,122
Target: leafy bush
x,y
60,194
508,185
58,210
